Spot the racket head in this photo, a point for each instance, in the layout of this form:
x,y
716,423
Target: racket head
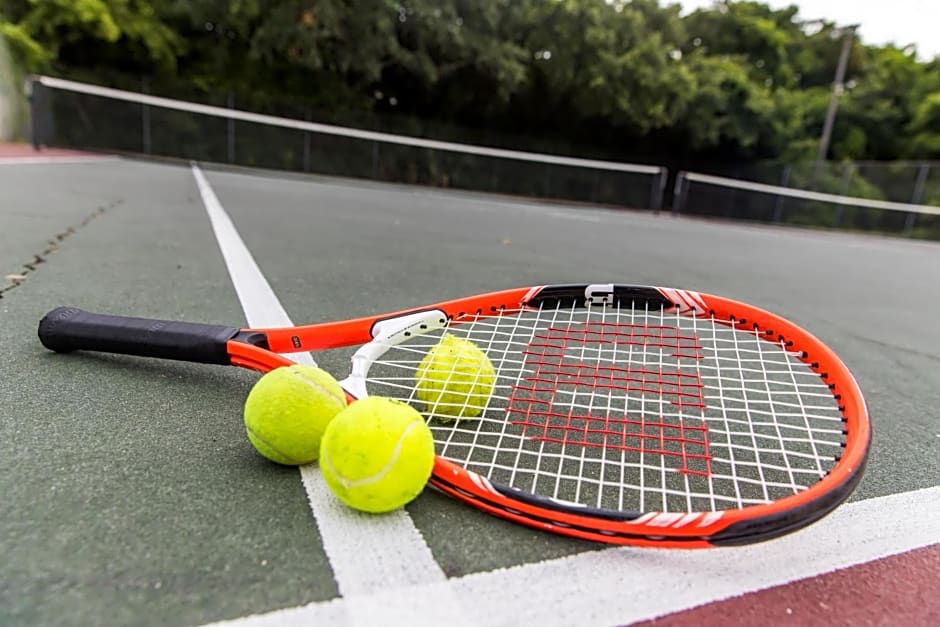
x,y
623,414
629,414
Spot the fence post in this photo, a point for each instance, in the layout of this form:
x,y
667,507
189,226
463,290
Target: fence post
x,y
231,129
38,112
679,193
920,184
29,89
916,197
594,186
784,182
659,190
843,190
847,178
308,115
375,160
909,224
145,119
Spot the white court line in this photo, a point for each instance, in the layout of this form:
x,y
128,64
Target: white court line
x,y
52,160
468,199
622,585
368,554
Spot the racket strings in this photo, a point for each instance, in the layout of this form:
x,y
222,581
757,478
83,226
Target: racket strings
x,y
572,359
630,409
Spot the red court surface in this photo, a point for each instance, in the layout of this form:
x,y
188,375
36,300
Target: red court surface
x,y
896,590
23,150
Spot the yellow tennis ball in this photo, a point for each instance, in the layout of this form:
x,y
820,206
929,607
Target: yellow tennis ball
x,y
455,379
377,454
288,410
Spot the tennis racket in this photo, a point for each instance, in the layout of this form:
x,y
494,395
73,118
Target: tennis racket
x,y
621,414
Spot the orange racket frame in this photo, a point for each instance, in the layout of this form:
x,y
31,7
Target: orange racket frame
x,y
66,329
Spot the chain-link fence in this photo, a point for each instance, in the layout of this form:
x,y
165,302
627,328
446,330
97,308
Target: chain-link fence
x,y
914,182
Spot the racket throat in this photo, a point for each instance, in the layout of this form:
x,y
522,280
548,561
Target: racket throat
x,y
253,338
387,334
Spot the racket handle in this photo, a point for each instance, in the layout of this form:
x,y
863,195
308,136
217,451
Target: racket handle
x,y
67,329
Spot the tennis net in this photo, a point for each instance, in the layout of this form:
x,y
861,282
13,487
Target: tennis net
x,y
716,196
80,115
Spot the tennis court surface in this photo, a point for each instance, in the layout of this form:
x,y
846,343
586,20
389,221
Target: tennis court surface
x,y
129,493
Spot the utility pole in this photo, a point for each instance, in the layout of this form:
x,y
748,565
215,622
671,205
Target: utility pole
x,y
848,34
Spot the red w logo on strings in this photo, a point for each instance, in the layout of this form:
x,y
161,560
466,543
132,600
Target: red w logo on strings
x,y
633,388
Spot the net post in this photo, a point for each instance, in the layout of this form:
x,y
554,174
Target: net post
x,y
145,119
35,92
680,192
231,130
658,190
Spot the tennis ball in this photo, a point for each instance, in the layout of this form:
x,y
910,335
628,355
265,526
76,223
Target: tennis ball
x,y
377,454
455,379
288,410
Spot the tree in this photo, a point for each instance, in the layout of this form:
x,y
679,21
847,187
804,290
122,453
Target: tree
x,y
761,37
78,32
29,51
593,63
625,79
730,110
925,128
880,105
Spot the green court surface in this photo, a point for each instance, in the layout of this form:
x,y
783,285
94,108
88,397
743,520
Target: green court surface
x,y
129,493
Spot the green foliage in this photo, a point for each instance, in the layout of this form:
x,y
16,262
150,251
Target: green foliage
x,y
26,49
93,32
762,36
881,104
592,60
628,79
66,21
13,120
925,127
727,108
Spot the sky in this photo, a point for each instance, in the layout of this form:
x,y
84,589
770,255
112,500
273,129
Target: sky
x,y
900,22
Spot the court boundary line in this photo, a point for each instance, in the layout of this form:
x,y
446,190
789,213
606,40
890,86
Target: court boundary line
x,y
623,585
366,553
54,160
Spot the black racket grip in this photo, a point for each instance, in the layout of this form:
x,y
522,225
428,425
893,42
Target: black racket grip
x,y
67,329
